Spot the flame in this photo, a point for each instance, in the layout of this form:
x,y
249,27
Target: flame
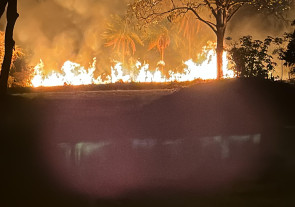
x,y
75,74
72,74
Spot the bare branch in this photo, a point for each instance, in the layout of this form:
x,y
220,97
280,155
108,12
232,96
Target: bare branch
x,y
173,3
211,8
210,24
233,12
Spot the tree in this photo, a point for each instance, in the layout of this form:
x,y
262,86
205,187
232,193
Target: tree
x,y
252,58
121,37
19,72
160,40
289,54
12,16
17,52
214,13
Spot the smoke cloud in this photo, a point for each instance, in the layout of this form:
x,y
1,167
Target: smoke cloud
x,y
58,30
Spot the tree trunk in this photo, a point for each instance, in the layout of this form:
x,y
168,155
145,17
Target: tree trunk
x,y
162,59
12,16
219,53
220,26
2,7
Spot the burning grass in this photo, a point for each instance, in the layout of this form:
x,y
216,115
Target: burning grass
x,y
75,74
106,87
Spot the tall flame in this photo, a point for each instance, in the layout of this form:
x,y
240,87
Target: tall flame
x,y
75,74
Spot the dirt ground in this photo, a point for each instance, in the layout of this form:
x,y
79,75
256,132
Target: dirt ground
x,y
221,143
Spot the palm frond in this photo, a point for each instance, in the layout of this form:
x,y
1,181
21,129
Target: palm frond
x,y
121,36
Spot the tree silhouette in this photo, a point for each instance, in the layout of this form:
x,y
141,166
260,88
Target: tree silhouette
x,y
214,13
289,54
252,58
12,16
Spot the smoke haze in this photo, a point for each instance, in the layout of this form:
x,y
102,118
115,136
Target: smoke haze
x,y
249,22
60,30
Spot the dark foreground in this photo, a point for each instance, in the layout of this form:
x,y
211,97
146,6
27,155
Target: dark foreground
x,y
223,143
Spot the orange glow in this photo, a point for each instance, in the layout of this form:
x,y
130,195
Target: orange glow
x,y
75,74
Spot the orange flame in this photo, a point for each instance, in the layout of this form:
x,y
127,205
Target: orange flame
x,y
75,74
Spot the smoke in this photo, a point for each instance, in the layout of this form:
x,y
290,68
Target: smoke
x,y
58,30
259,25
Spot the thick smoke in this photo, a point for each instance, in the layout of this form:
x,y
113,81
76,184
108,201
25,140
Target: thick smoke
x,y
58,30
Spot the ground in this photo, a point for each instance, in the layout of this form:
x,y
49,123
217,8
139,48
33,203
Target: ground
x,y
219,143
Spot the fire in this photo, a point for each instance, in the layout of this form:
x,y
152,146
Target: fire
x,y
75,74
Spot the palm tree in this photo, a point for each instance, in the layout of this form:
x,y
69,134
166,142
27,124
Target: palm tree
x,y
121,37
159,38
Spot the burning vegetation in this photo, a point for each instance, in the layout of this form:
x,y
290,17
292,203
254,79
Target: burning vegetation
x,y
75,74
171,41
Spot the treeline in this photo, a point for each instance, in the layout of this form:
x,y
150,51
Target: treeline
x,y
167,45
